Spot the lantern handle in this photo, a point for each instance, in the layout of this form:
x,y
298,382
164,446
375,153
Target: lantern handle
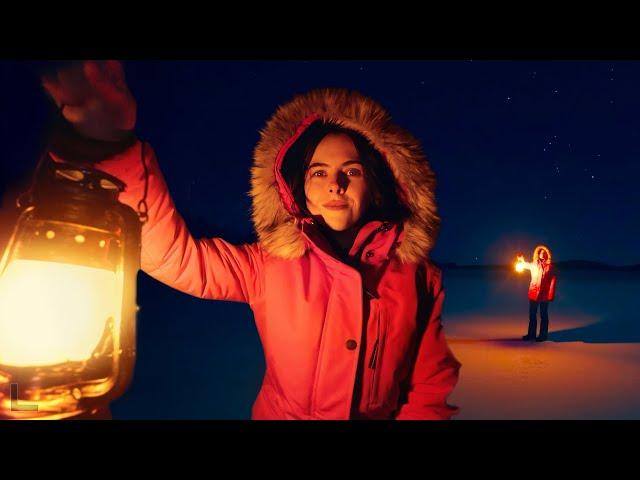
x,y
143,208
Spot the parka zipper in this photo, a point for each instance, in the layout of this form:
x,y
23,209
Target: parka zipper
x,y
372,362
374,358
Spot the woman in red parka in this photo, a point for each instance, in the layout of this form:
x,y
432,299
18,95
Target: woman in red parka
x,y
346,301
542,290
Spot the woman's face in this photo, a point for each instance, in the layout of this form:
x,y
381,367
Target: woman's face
x,y
334,185
543,255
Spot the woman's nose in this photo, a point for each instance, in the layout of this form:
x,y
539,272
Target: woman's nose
x,y
334,187
338,184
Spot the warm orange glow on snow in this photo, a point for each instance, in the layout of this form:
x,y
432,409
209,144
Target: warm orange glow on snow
x,y
503,377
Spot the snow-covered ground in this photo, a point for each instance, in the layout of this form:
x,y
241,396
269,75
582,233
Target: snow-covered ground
x,y
589,368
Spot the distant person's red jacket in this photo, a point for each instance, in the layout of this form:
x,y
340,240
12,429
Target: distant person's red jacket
x,y
543,278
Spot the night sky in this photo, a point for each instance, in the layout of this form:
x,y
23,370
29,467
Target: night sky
x,y
524,152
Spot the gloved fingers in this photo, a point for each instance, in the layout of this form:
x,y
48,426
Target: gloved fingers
x,y
115,71
55,90
74,85
73,114
107,79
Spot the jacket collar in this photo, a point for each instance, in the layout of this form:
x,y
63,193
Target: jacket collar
x,y
373,244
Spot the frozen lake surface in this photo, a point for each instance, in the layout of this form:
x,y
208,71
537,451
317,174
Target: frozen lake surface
x,y
589,368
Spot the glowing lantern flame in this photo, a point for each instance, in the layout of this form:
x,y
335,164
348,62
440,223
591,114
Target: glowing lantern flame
x,y
520,264
52,313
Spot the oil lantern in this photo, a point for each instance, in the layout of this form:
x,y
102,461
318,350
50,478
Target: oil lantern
x,y
68,295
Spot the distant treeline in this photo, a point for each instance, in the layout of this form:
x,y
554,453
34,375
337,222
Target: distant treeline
x,y
566,265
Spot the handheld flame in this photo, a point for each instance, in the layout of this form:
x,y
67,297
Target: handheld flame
x,y
520,264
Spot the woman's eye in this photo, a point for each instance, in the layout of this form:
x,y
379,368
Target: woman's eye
x,y
354,172
318,173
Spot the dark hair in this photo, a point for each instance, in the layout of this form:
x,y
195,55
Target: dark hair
x,y
385,201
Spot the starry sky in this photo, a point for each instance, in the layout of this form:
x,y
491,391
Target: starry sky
x,y
524,152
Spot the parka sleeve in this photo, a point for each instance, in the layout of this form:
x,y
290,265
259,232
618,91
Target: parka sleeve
x,y
209,268
435,370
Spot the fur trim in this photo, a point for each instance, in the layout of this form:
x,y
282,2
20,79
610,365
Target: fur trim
x,y
279,232
536,252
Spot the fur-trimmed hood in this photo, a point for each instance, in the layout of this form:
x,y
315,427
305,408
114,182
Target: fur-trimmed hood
x,y
276,225
536,252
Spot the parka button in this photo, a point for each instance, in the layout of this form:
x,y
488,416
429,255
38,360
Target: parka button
x,y
370,254
352,344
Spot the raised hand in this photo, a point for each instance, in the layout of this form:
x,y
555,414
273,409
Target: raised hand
x,y
94,97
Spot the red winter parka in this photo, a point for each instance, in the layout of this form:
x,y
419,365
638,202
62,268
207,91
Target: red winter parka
x,y
543,277
339,342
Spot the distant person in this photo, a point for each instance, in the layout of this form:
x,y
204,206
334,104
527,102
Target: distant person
x,y
542,290
346,301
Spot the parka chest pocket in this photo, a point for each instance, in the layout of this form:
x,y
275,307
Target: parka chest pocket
x,y
376,357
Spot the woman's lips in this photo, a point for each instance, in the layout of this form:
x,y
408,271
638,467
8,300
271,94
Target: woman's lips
x,y
336,205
